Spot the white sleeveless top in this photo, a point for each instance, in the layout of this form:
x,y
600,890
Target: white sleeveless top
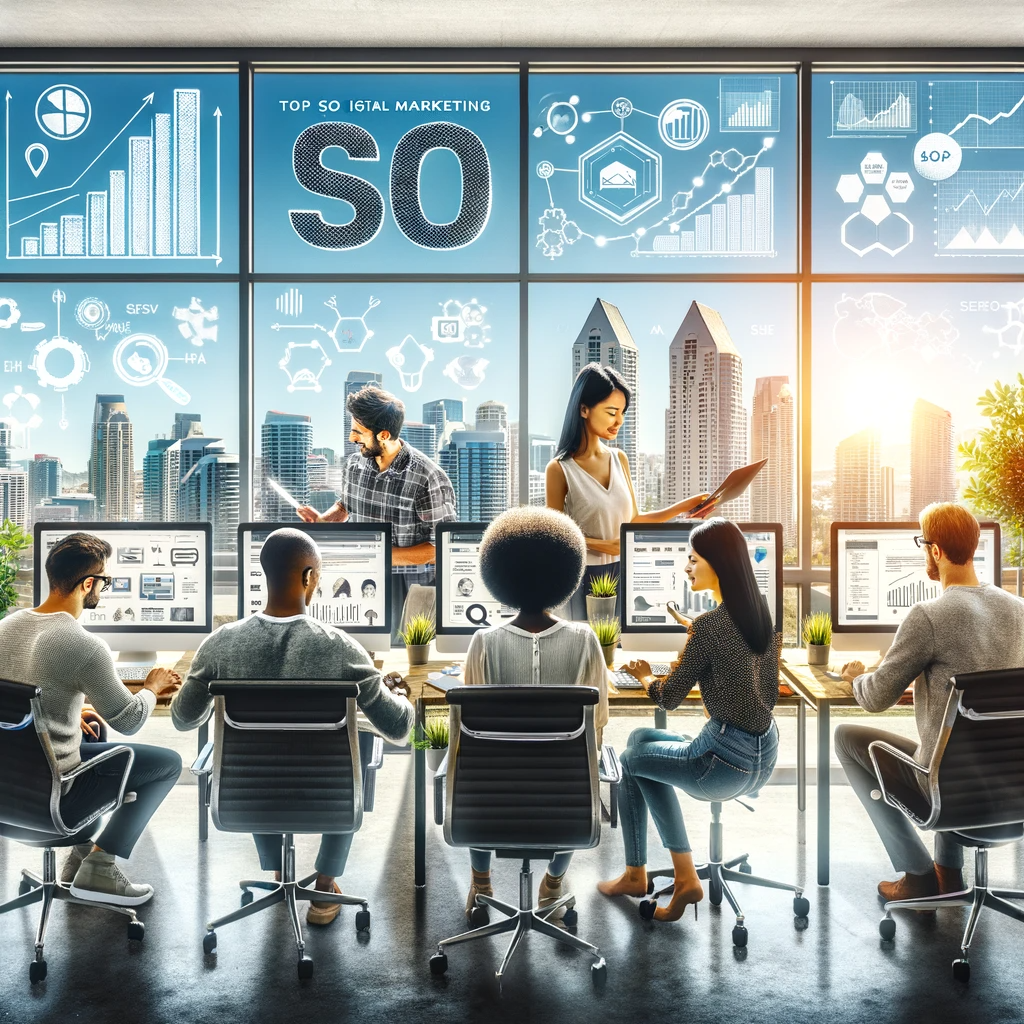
x,y
598,511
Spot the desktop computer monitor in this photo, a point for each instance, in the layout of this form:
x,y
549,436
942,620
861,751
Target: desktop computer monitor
x,y
463,603
161,597
878,573
652,573
355,579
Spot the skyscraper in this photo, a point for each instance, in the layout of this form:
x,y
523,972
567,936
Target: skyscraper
x,y
217,485
160,482
932,466
652,468
187,454
857,490
706,422
422,436
441,412
492,415
773,437
14,497
513,465
187,424
6,444
542,451
355,381
112,460
44,478
605,339
476,462
286,440
888,493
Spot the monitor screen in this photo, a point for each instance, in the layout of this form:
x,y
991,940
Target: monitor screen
x,y
463,602
162,577
879,573
653,562
355,579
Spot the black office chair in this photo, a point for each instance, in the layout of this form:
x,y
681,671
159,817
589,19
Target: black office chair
x,y
521,778
285,760
30,808
972,789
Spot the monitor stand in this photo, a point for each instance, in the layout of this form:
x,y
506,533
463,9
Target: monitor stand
x,y
140,658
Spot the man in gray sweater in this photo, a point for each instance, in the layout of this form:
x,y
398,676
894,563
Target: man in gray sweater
x,y
970,628
283,642
48,647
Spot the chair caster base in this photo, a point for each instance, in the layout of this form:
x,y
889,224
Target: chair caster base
x,y
599,972
647,908
25,886
247,897
305,968
362,921
136,930
439,964
571,918
746,868
962,970
478,917
739,936
37,971
210,943
801,906
887,929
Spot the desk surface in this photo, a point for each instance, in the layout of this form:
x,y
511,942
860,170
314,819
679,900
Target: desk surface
x,y
811,681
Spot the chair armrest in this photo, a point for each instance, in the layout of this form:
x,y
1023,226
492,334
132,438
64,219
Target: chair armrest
x,y
903,781
377,757
109,794
439,789
375,763
609,770
203,764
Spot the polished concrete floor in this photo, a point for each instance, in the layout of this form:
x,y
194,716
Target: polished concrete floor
x,y
835,970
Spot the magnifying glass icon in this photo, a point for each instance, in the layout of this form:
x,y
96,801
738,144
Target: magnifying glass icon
x,y
141,359
477,614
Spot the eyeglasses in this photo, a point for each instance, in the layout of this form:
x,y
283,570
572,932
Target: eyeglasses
x,y
106,581
920,540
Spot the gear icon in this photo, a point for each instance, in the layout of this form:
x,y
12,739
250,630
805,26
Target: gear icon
x,y
79,363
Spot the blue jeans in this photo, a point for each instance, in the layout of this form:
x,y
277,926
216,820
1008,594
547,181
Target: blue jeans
x,y
723,762
480,860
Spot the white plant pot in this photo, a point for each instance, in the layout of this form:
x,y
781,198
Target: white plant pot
x,y
435,755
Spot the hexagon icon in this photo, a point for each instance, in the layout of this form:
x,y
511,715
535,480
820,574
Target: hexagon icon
x,y
850,187
899,186
873,168
620,178
876,209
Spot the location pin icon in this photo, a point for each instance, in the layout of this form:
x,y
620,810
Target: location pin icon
x,y
36,156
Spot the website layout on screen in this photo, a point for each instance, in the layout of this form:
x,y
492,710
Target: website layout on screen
x,y
159,578
353,579
467,602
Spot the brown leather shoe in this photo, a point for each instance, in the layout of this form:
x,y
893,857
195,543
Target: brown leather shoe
x,y
949,879
323,913
909,887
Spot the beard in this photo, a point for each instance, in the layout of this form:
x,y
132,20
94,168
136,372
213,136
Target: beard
x,y
931,568
92,599
371,451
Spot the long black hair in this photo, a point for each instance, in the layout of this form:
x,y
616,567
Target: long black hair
x,y
593,384
722,545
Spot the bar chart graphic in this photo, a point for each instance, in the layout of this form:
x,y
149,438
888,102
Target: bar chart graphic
x,y
877,107
910,590
138,198
749,103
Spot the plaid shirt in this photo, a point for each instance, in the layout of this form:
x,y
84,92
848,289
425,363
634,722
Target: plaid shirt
x,y
412,494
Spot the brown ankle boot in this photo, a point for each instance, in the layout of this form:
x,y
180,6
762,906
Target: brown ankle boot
x,y
910,887
481,886
949,879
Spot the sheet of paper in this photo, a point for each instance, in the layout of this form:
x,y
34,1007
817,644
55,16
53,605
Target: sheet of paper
x,y
284,494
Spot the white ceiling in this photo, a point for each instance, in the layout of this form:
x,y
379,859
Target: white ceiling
x,y
535,23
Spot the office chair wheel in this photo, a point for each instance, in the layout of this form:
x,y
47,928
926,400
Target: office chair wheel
x,y
305,968
715,891
210,943
801,906
599,972
650,885
439,964
647,909
962,970
478,917
362,920
247,897
136,930
571,918
739,936
37,971
746,868
887,929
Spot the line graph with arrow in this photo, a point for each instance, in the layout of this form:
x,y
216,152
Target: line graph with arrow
x,y
144,181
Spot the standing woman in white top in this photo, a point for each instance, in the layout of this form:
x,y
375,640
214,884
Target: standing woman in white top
x,y
590,482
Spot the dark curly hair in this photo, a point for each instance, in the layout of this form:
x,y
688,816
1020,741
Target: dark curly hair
x,y
532,558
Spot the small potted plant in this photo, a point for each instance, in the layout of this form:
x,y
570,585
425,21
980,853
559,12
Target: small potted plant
x,y
416,636
433,739
607,631
818,637
601,599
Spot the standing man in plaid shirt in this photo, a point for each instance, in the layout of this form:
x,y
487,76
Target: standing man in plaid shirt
x,y
389,481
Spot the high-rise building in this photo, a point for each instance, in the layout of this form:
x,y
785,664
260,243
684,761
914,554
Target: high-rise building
x,y
186,454
286,441
888,493
492,415
538,495
355,381
652,469
857,489
706,422
45,512
6,444
442,412
14,504
773,437
422,436
513,465
83,504
112,460
542,451
476,462
329,454
44,478
317,469
932,465
217,485
160,478
187,424
605,339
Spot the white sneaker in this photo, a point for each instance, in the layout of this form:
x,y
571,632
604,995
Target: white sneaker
x,y
100,880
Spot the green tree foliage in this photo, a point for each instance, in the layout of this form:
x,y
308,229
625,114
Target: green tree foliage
x,y
13,541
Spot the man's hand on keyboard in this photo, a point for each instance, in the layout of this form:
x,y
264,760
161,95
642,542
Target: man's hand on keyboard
x,y
641,671
162,681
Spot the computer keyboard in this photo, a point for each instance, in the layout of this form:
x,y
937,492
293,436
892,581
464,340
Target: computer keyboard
x,y
133,673
622,680
660,668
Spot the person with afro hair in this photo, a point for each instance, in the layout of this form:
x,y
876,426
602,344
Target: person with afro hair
x,y
532,559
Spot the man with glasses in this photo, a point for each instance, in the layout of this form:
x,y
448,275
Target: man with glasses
x,y
970,627
49,648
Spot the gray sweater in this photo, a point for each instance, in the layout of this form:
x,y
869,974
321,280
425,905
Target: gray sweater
x,y
71,666
296,647
966,629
